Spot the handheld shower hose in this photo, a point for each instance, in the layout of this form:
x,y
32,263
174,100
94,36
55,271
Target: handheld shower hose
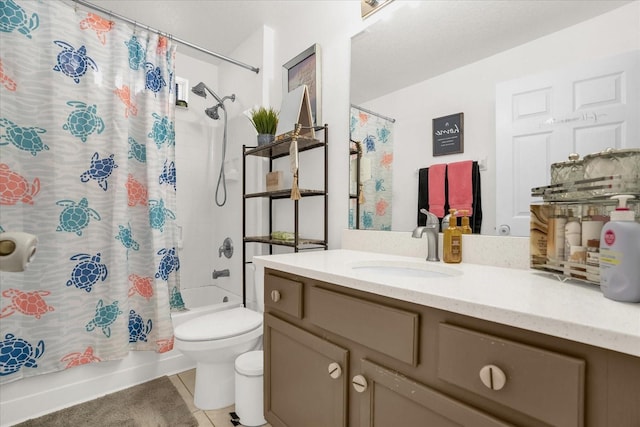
x,y
212,112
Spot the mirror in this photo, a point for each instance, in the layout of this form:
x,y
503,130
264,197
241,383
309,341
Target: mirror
x,y
421,60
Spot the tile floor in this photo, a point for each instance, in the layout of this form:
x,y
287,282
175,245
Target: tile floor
x,y
185,383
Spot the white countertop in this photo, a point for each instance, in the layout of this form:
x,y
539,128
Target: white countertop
x,y
525,299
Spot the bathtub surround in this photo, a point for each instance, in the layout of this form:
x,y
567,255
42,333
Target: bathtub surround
x,y
156,402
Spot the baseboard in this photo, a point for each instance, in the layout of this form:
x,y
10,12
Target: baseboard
x,y
36,396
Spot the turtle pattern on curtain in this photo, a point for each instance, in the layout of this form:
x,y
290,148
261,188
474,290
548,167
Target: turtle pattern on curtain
x,y
376,135
87,164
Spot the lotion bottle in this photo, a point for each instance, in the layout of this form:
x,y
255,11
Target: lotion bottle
x,y
452,250
620,254
572,234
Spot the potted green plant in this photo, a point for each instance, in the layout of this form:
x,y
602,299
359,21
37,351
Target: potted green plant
x,y
265,120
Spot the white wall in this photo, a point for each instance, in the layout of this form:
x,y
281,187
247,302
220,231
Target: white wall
x,y
199,145
471,89
196,173
329,24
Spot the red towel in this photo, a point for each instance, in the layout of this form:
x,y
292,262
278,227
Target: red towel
x,y
436,189
460,186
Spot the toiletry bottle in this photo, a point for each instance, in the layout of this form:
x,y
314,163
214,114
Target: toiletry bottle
x,y
466,229
452,251
620,254
593,260
555,236
572,235
591,226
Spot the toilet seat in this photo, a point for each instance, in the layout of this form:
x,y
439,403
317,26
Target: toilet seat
x,y
219,325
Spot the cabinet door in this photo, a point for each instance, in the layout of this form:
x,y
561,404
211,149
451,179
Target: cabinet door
x,y
391,399
299,387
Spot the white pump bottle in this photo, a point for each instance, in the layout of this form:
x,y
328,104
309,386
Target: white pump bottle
x,y
620,254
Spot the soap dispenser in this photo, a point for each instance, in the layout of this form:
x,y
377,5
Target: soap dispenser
x,y
620,254
466,229
452,250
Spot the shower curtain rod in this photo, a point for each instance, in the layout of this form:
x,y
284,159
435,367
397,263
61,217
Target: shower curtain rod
x,y
184,42
374,113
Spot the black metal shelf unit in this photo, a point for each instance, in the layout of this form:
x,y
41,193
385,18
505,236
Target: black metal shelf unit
x,y
272,151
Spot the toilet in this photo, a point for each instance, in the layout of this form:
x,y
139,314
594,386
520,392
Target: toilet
x,y
214,341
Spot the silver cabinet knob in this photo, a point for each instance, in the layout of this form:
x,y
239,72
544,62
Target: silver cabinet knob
x,y
335,371
359,383
275,296
493,377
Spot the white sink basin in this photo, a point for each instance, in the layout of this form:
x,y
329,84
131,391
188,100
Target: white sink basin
x,y
403,269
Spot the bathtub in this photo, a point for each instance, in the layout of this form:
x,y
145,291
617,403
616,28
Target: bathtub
x,y
35,396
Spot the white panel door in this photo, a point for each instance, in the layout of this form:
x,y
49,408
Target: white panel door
x,y
541,119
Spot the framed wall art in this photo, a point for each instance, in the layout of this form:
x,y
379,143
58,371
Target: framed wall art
x,y
304,69
448,134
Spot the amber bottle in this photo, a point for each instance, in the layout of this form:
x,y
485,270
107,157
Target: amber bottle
x,y
452,251
466,229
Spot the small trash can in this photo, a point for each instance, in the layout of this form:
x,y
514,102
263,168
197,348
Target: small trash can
x,y
249,389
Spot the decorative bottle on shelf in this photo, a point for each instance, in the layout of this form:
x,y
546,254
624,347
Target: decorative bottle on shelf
x,y
620,254
452,250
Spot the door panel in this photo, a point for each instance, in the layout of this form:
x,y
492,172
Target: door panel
x,y
298,388
583,109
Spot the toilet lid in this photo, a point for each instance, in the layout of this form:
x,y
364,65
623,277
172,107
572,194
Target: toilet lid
x,y
219,325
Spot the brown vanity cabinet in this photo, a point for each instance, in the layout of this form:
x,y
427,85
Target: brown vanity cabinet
x,y
301,389
336,356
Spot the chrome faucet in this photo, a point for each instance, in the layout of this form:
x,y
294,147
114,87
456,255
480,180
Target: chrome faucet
x,y
431,229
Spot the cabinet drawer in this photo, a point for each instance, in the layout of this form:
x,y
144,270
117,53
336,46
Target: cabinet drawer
x,y
385,329
282,294
393,399
542,384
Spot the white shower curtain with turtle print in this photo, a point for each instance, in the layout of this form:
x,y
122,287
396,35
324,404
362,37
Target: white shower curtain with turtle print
x,y
87,153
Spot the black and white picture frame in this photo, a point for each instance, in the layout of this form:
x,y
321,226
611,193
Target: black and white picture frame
x,y
448,134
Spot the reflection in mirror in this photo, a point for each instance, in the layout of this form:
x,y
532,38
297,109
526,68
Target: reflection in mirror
x,y
437,58
371,170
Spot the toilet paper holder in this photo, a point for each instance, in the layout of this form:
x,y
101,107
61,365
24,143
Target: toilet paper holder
x,y
17,250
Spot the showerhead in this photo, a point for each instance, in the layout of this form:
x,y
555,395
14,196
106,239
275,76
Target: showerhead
x,y
212,112
201,89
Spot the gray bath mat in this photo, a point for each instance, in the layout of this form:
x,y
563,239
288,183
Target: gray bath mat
x,y
155,403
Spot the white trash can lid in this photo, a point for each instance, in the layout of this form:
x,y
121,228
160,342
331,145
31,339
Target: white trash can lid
x,y
250,364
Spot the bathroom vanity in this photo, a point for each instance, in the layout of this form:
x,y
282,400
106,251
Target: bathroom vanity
x,y
364,339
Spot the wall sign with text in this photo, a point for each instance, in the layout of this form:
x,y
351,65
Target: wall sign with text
x,y
448,134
